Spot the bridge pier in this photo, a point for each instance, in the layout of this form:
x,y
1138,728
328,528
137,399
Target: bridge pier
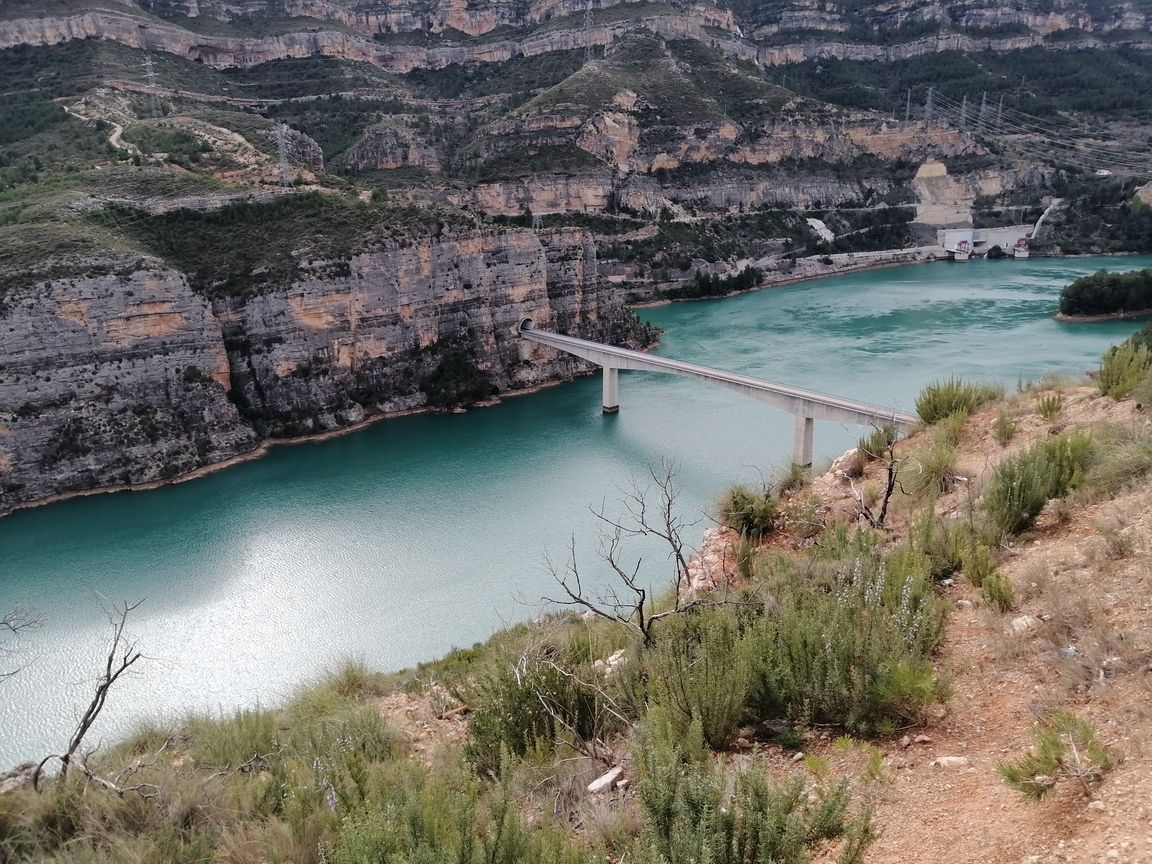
x,y
807,406
802,441
611,400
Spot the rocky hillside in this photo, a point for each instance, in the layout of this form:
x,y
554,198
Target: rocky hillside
x,y
404,36
222,222
134,372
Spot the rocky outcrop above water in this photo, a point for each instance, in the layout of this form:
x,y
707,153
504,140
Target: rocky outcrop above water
x,y
126,376
407,324
110,380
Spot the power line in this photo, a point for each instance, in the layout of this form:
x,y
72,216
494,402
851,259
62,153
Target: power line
x,y
282,154
1070,149
1131,154
150,71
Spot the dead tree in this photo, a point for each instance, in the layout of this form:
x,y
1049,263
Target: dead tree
x,y
122,654
119,784
892,466
648,512
12,625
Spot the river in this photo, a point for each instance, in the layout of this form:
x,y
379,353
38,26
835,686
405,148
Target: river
x,y
403,540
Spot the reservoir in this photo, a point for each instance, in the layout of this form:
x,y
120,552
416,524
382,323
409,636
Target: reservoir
x,y
406,539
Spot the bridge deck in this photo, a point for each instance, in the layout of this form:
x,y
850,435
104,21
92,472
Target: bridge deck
x,y
803,403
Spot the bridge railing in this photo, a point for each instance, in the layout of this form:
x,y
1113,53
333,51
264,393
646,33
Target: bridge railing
x,y
806,405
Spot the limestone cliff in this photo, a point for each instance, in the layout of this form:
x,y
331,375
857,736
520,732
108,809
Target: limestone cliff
x,y
236,49
129,377
110,380
381,33
391,144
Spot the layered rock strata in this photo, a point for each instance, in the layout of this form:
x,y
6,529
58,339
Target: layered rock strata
x,y
350,35
127,377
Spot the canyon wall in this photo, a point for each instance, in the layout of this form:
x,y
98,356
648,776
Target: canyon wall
x,y
127,377
347,31
225,50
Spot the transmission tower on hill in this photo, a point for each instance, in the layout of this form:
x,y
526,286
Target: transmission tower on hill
x,y
150,72
282,154
589,49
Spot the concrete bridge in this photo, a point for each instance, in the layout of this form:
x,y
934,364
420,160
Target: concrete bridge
x,y
807,405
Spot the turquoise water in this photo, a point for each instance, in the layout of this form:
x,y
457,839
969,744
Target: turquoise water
x,y
416,535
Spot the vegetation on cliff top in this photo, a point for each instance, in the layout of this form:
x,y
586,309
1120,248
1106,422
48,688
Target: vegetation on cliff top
x,y
246,248
1034,80
676,83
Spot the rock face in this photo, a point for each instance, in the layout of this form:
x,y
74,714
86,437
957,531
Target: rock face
x,y
946,200
111,380
228,49
129,377
347,29
391,145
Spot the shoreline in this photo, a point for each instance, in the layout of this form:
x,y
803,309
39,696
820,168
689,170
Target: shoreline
x,y
261,450
785,281
1110,316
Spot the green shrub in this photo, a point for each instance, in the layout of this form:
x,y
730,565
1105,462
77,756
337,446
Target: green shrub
x,y
745,557
353,679
1005,427
1143,336
977,563
997,591
1123,454
942,542
942,399
932,470
1023,484
856,463
844,638
355,729
1065,748
411,817
763,823
507,718
904,690
1122,368
951,428
1142,393
526,705
876,443
792,479
1049,406
232,741
752,514
697,673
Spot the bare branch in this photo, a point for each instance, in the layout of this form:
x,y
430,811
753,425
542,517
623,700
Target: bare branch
x,y
892,465
118,785
13,624
648,511
609,607
122,654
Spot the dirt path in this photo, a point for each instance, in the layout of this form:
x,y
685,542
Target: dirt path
x,y
116,139
1083,583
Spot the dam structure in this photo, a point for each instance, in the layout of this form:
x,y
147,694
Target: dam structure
x,y
807,406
